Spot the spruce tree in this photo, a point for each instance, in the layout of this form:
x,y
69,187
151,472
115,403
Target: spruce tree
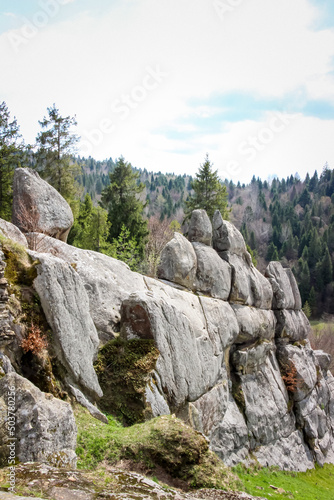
x,y
10,157
210,194
54,156
122,200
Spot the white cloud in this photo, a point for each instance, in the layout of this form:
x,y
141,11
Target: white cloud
x,y
85,63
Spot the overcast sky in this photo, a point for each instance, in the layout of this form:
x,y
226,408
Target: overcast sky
x,y
163,82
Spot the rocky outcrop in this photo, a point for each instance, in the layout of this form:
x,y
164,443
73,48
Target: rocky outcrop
x,y
178,262
234,361
213,275
12,232
45,429
107,282
39,207
200,228
7,336
66,307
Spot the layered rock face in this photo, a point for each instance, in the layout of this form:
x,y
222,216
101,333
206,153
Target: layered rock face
x,y
45,429
234,359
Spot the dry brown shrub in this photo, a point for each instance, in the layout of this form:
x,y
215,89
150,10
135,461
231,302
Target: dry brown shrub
x,y
34,341
290,378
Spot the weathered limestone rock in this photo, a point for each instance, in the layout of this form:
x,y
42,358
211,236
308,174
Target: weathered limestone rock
x,y
12,232
52,214
66,307
249,286
93,410
178,262
154,397
285,289
292,325
323,359
200,228
107,282
190,333
226,237
45,428
229,439
254,323
213,275
5,365
262,393
7,336
302,358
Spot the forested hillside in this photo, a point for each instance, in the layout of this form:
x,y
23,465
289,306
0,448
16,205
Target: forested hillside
x,y
290,220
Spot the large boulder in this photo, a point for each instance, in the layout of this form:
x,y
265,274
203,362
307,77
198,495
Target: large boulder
x,y
107,282
191,334
12,232
45,429
226,237
292,325
66,306
39,207
264,398
200,228
285,289
254,324
178,262
249,286
213,276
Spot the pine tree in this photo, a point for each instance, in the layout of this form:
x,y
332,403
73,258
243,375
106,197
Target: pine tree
x,y
54,156
121,199
210,194
11,155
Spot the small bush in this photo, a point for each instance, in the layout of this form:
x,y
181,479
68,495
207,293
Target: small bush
x,y
290,378
34,341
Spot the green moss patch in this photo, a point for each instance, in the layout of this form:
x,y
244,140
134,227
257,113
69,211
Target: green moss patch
x,y
163,443
123,368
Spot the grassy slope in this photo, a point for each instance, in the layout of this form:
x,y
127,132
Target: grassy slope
x,y
316,484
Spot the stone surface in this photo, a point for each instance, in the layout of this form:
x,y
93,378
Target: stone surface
x,y
154,397
45,428
292,325
30,192
226,237
5,365
190,333
178,262
83,401
213,276
323,359
66,306
200,227
107,282
285,289
12,232
249,286
254,323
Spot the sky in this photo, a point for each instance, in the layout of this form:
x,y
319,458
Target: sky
x,y
163,82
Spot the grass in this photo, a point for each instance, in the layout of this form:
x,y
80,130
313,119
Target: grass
x,y
315,484
164,443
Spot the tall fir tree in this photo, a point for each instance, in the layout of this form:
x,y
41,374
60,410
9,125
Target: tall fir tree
x,y
11,156
122,200
56,146
210,194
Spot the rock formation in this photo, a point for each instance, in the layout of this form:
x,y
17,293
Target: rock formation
x,y
37,206
45,428
234,362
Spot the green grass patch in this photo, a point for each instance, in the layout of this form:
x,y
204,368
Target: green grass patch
x,y
123,368
163,441
315,484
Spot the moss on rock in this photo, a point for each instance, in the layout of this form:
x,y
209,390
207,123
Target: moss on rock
x,y
123,368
